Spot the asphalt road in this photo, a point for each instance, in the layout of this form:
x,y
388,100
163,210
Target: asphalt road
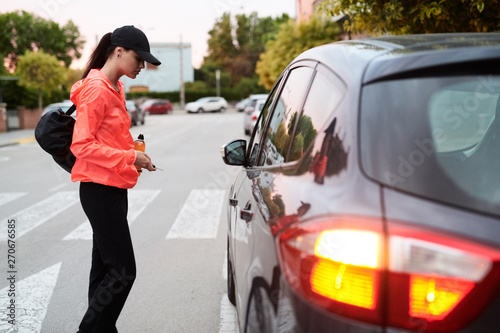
x,y
178,226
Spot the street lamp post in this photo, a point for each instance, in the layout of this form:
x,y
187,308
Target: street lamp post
x,y
217,78
181,79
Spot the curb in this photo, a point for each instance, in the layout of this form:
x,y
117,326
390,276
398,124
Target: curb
x,y
25,140
8,144
18,142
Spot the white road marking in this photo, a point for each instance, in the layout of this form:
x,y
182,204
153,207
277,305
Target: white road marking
x,y
200,216
138,200
37,214
228,321
56,188
10,196
32,299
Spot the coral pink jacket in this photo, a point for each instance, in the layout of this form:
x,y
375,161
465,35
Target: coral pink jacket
x,y
102,143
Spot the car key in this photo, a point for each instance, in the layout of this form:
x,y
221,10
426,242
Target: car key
x,y
154,166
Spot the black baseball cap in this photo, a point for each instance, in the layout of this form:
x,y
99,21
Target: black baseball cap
x,y
132,38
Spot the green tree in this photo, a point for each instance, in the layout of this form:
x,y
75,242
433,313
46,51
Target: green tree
x,y
235,45
40,71
252,33
72,75
307,130
21,31
221,48
249,85
274,209
414,17
292,40
278,200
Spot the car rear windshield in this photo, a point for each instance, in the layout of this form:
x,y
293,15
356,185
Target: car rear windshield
x,y
436,137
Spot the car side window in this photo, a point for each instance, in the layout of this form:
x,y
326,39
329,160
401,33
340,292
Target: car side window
x,y
289,103
259,131
324,95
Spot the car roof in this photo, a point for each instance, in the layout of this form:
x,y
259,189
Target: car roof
x,y
63,103
260,101
258,96
154,100
383,57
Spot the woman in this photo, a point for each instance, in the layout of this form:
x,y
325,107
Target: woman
x,y
106,167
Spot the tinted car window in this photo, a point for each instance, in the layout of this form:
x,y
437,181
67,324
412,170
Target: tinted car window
x,y
281,125
442,141
259,128
459,116
325,93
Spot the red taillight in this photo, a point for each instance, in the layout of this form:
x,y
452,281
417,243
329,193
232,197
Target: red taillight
x,y
407,278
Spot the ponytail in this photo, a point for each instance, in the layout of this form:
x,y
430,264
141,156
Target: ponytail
x,y
100,55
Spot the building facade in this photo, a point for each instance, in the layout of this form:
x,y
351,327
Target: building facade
x,y
167,76
305,8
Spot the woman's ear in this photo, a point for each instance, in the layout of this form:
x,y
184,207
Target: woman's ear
x,y
119,51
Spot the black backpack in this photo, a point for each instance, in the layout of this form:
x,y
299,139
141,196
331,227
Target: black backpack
x,y
54,133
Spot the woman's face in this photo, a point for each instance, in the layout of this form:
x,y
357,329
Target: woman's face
x,y
131,64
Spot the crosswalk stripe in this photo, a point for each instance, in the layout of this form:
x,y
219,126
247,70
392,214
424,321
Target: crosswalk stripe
x,y
57,187
138,200
37,214
228,321
200,216
7,197
31,300
198,219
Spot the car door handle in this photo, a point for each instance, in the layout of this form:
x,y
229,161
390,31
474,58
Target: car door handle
x,y
246,215
233,202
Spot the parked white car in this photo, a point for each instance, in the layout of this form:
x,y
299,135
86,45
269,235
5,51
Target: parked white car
x,y
251,115
252,99
64,106
207,104
241,105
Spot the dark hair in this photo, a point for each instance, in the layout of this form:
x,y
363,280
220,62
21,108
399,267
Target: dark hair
x,y
100,55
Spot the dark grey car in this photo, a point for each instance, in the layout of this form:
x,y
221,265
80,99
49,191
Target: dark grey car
x,y
369,194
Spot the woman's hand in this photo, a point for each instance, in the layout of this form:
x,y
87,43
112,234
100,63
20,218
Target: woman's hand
x,y
144,161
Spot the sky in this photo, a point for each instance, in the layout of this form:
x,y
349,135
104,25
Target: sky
x,y
166,21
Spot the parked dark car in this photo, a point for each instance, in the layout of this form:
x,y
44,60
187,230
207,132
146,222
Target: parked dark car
x,y
157,106
369,194
135,112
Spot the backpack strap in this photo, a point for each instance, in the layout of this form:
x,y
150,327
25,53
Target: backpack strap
x,y
71,110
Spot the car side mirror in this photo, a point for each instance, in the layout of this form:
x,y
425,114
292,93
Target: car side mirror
x,y
234,152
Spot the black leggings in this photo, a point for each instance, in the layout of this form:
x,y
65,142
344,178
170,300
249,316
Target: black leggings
x,y
113,264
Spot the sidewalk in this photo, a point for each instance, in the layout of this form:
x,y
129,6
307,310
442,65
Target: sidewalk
x,y
16,137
